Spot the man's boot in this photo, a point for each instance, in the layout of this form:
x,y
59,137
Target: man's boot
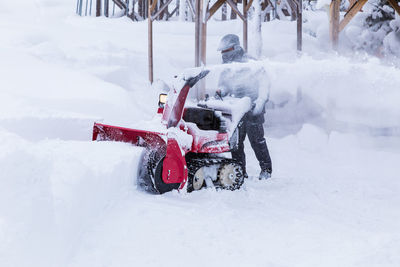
x,y
265,174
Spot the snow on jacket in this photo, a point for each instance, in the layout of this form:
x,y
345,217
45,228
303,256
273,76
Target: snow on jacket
x,y
245,79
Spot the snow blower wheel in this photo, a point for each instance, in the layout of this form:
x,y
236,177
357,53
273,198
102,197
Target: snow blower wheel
x,y
196,182
159,184
145,175
230,176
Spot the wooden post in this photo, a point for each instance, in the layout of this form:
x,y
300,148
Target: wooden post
x,y
197,41
98,8
203,34
197,33
201,88
204,42
334,16
299,25
150,41
106,7
244,3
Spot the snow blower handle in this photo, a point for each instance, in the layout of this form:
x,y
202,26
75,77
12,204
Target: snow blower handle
x,y
193,80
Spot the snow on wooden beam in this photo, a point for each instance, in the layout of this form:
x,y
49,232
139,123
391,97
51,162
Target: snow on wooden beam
x,y
249,5
353,10
120,4
214,8
395,5
152,7
161,10
235,9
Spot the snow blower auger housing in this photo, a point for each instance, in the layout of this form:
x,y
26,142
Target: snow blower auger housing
x,y
184,154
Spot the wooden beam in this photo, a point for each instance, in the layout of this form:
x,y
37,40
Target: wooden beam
x,y
395,5
190,4
353,10
249,5
235,9
120,4
214,8
173,12
351,3
334,16
152,7
161,10
233,14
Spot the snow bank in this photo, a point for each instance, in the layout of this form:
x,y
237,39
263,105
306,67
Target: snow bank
x,y
53,191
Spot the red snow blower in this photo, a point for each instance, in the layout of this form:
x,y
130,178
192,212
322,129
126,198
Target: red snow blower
x,y
186,153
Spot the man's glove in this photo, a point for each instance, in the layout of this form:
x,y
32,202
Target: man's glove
x,y
218,94
258,106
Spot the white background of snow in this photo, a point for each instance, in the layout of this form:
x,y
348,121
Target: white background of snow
x,y
66,201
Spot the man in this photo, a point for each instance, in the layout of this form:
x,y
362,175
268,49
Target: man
x,y
245,82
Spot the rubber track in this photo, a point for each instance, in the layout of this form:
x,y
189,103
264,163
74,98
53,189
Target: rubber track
x,y
195,164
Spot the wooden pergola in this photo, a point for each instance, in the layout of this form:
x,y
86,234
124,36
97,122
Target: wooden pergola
x,y
336,25
202,13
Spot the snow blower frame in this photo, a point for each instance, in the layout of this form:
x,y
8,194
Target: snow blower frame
x,y
185,155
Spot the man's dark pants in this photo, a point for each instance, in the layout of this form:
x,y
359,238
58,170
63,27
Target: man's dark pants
x,y
252,125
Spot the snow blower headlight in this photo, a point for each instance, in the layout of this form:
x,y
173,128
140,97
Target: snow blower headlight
x,y
162,99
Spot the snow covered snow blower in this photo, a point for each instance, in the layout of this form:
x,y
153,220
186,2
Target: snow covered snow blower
x,y
186,150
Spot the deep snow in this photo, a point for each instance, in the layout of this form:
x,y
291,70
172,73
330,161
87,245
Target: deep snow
x,y
332,129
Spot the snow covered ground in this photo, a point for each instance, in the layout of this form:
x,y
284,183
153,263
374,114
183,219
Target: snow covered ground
x,y
332,128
